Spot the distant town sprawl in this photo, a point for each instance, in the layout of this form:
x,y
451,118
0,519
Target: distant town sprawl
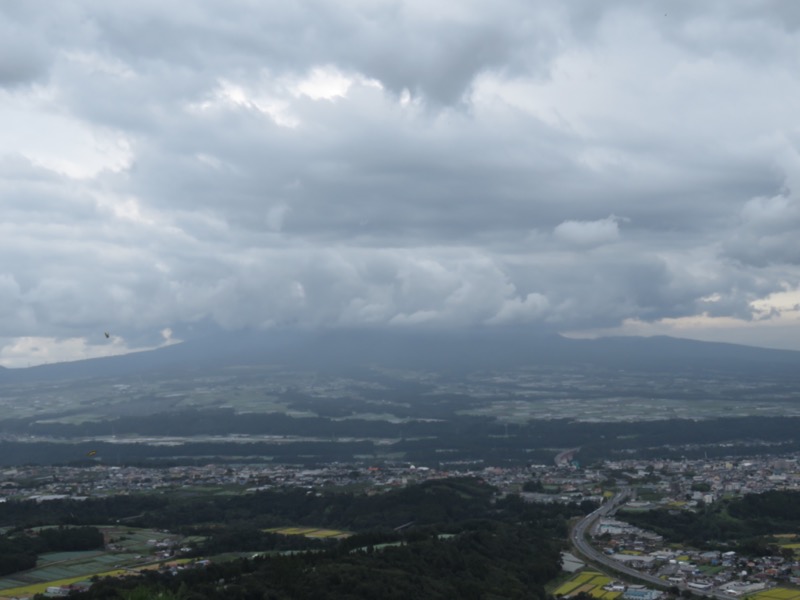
x,y
685,482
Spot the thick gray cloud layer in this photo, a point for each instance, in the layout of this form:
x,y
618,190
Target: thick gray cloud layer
x,y
576,166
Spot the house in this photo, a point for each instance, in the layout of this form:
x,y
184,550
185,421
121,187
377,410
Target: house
x,y
641,593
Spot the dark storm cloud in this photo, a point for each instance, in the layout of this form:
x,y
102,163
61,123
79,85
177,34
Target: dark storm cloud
x,y
24,55
434,51
571,166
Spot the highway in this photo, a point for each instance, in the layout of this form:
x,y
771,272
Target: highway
x,y
590,553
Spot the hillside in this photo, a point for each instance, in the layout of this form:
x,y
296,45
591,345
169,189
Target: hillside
x,y
443,351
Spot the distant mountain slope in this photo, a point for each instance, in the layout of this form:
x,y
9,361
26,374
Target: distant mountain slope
x,y
450,351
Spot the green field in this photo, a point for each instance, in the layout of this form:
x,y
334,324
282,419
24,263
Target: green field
x,y
311,532
63,568
590,582
26,591
778,593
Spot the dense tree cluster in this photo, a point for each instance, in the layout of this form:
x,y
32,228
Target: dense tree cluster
x,y
736,522
19,550
438,501
92,511
441,539
490,560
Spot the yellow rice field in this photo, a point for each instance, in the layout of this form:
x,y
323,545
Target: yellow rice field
x,y
325,533
312,532
592,583
778,593
575,582
40,588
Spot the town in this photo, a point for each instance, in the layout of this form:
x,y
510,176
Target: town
x,y
686,485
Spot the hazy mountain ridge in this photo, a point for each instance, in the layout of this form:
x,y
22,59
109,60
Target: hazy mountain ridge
x,y
454,352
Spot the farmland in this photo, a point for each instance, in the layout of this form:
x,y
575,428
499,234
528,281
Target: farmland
x,y
778,593
590,582
128,550
311,532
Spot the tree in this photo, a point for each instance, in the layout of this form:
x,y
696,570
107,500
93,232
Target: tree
x,y
534,485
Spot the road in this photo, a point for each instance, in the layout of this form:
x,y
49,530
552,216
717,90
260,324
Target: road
x,y
583,547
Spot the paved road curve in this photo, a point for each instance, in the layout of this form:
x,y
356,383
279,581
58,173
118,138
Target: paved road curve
x,y
583,547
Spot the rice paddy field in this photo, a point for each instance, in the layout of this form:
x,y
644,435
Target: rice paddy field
x,y
311,532
592,583
135,550
787,541
26,591
777,593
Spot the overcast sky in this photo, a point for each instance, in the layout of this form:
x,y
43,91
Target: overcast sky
x,y
170,168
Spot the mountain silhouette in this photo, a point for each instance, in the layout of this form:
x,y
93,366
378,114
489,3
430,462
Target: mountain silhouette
x,y
462,351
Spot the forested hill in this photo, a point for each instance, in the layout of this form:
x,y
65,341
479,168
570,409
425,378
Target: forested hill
x,y
744,523
440,540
